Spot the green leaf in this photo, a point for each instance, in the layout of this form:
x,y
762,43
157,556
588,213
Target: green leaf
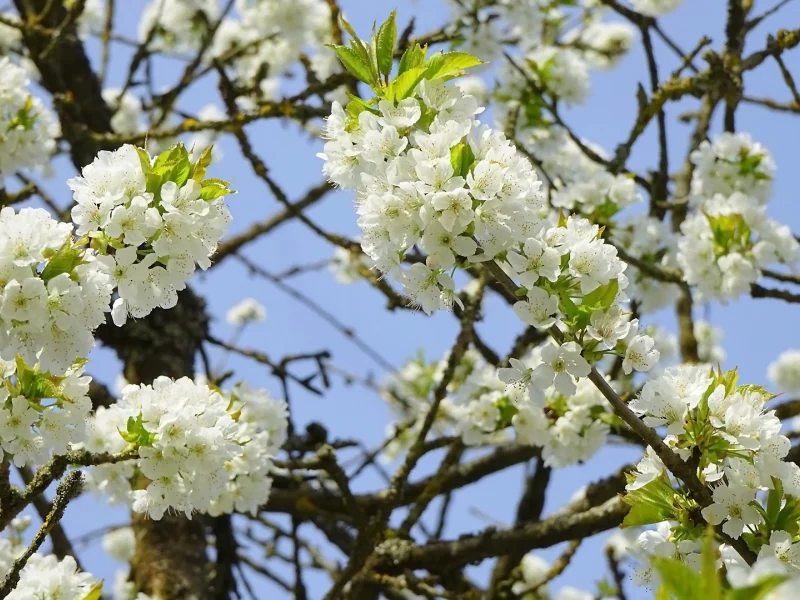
x,y
757,591
96,592
774,502
602,297
372,55
680,580
180,172
356,106
198,172
507,411
387,36
404,84
153,183
789,516
171,157
144,159
359,47
413,57
354,64
461,157
35,385
25,117
652,503
136,434
214,188
710,573
450,65
64,261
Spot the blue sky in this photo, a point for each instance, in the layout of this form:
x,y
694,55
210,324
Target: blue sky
x,y
751,340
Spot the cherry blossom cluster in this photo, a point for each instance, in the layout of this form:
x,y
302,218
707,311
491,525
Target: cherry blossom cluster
x,y
471,408
27,128
569,426
152,221
409,191
269,37
652,241
430,179
539,25
655,8
739,453
186,432
723,248
249,310
533,582
178,25
54,293
599,196
732,163
43,576
261,42
40,414
544,399
784,372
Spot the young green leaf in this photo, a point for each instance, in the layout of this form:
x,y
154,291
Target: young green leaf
x,y
387,36
450,65
650,504
64,261
144,159
96,592
198,172
678,578
461,157
354,64
758,591
414,56
358,47
404,84
709,571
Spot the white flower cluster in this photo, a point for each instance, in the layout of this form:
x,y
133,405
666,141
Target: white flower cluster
x,y
732,163
245,312
741,455
601,194
568,426
187,433
545,398
471,408
784,372
41,415
652,241
655,8
531,23
45,577
533,584
603,43
128,117
410,193
160,219
269,37
27,128
723,248
428,175
179,25
53,294
345,266
709,340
